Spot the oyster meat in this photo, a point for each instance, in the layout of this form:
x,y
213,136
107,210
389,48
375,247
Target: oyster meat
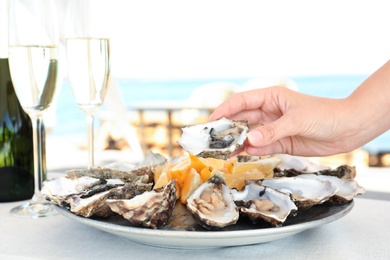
x,y
264,203
212,204
217,139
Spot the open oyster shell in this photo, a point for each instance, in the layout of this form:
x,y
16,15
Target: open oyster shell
x,y
59,190
90,206
304,192
150,209
341,177
217,139
347,189
212,204
264,203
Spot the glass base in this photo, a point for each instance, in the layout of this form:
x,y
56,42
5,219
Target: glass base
x,y
34,209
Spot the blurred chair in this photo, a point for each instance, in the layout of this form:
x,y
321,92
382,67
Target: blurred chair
x,y
116,122
211,94
207,96
268,82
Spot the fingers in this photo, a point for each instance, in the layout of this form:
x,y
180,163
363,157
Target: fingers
x,y
260,143
266,135
265,107
243,101
275,148
252,116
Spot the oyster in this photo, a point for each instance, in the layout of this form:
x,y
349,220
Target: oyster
x,y
130,190
152,159
92,202
259,202
296,165
150,209
212,204
342,172
143,174
146,167
59,189
347,189
217,139
304,192
299,163
88,206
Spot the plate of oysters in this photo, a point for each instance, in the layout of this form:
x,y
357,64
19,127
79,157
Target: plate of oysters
x,y
206,198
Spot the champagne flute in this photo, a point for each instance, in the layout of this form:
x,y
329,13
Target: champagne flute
x,y
33,60
88,58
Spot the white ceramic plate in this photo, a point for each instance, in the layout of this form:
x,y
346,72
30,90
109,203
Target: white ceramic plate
x,y
243,233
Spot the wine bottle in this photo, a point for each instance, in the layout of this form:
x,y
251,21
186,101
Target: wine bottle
x,y
16,140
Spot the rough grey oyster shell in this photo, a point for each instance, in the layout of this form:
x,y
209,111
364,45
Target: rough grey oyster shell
x,y
142,174
217,139
130,190
342,172
90,206
151,209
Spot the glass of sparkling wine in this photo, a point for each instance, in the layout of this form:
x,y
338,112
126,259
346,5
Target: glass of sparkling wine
x,y
88,58
33,61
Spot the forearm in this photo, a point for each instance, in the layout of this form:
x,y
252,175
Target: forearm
x,y
369,106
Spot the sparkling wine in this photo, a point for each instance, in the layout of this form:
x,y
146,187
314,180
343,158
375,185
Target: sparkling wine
x,y
88,71
34,72
16,143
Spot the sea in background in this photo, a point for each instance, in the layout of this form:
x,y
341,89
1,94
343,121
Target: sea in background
x,y
70,121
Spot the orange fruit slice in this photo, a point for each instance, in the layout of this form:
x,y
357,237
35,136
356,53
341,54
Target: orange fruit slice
x,y
197,163
237,180
191,183
205,174
157,172
164,177
252,170
215,163
178,171
264,165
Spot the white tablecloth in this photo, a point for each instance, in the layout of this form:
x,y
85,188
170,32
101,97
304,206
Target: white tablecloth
x,y
364,233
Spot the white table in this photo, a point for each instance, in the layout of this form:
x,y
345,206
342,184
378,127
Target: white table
x,y
364,233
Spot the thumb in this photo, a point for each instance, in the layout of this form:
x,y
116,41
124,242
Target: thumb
x,y
268,134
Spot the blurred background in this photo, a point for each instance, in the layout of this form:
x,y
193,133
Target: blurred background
x,y
165,50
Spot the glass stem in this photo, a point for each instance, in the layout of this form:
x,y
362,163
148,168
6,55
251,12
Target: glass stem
x,y
91,144
39,154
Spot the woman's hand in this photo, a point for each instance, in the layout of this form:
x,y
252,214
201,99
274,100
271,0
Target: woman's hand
x,y
285,121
